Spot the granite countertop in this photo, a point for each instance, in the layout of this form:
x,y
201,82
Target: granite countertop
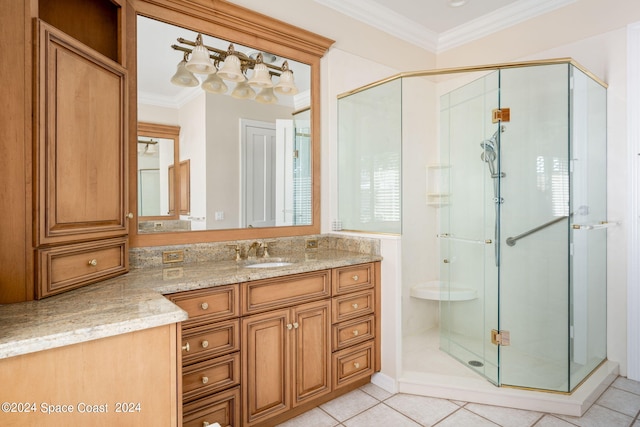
x,y
136,301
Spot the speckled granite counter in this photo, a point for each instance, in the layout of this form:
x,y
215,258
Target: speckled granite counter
x,y
135,300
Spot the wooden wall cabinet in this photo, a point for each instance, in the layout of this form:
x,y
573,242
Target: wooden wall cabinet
x,y
68,137
260,352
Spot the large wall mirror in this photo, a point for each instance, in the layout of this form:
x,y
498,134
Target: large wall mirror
x,y
249,139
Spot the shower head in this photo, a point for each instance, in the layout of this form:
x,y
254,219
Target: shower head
x,y
489,152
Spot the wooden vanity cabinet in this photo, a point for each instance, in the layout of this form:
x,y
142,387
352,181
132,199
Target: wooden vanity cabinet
x,y
355,327
210,349
258,353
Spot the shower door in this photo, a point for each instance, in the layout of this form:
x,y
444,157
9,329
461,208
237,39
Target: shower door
x,y
469,224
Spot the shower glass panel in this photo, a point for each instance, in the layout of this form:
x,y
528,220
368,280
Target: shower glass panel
x,y
534,269
370,159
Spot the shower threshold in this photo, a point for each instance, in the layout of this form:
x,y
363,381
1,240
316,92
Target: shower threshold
x,y
447,378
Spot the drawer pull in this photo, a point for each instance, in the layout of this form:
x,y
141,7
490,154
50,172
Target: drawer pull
x,y
354,305
204,306
186,347
356,365
129,215
205,380
355,277
93,262
289,326
355,332
295,325
205,344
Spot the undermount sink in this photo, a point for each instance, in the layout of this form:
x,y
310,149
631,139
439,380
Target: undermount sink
x,y
269,264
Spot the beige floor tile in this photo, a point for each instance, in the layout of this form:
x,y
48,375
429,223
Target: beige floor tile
x,y
599,416
621,401
425,410
627,385
348,405
505,417
380,415
552,421
465,418
313,418
375,391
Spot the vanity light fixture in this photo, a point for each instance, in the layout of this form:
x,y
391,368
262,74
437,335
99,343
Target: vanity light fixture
x,y
150,147
184,77
200,62
205,60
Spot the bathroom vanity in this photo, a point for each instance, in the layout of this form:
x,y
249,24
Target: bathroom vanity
x,y
230,343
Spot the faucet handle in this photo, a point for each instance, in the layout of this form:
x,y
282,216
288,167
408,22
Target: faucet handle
x,y
265,246
236,247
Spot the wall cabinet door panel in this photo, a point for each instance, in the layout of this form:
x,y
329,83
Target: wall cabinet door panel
x,y
81,162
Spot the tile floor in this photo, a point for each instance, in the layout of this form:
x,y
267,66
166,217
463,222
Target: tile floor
x,y
371,406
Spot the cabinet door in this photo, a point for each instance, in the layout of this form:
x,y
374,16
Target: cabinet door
x,y
312,351
80,125
266,375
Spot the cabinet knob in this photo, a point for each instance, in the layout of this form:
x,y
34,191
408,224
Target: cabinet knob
x,y
204,305
205,380
356,365
93,262
354,305
446,261
129,215
355,332
355,277
295,325
205,344
186,347
289,326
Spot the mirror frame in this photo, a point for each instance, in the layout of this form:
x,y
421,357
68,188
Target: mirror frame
x,y
154,130
235,24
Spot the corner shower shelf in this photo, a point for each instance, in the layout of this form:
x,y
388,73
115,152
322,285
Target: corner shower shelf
x,y
437,185
436,292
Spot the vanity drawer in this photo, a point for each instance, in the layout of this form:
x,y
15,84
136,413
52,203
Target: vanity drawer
x,y
212,304
285,291
352,278
222,408
352,305
210,376
352,364
205,342
352,332
72,266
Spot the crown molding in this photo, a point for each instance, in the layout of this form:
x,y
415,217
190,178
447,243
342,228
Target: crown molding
x,y
386,20
399,26
501,19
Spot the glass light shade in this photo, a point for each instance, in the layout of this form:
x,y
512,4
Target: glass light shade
x,y
151,149
184,77
231,69
266,96
200,62
243,91
214,84
261,76
286,86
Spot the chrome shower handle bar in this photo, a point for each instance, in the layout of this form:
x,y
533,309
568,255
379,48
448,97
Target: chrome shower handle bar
x,y
511,241
598,226
458,239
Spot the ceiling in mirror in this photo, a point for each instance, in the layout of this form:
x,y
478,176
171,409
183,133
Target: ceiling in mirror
x,y
250,157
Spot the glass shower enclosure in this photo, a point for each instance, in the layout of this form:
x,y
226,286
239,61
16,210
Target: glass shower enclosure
x,y
525,149
521,217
